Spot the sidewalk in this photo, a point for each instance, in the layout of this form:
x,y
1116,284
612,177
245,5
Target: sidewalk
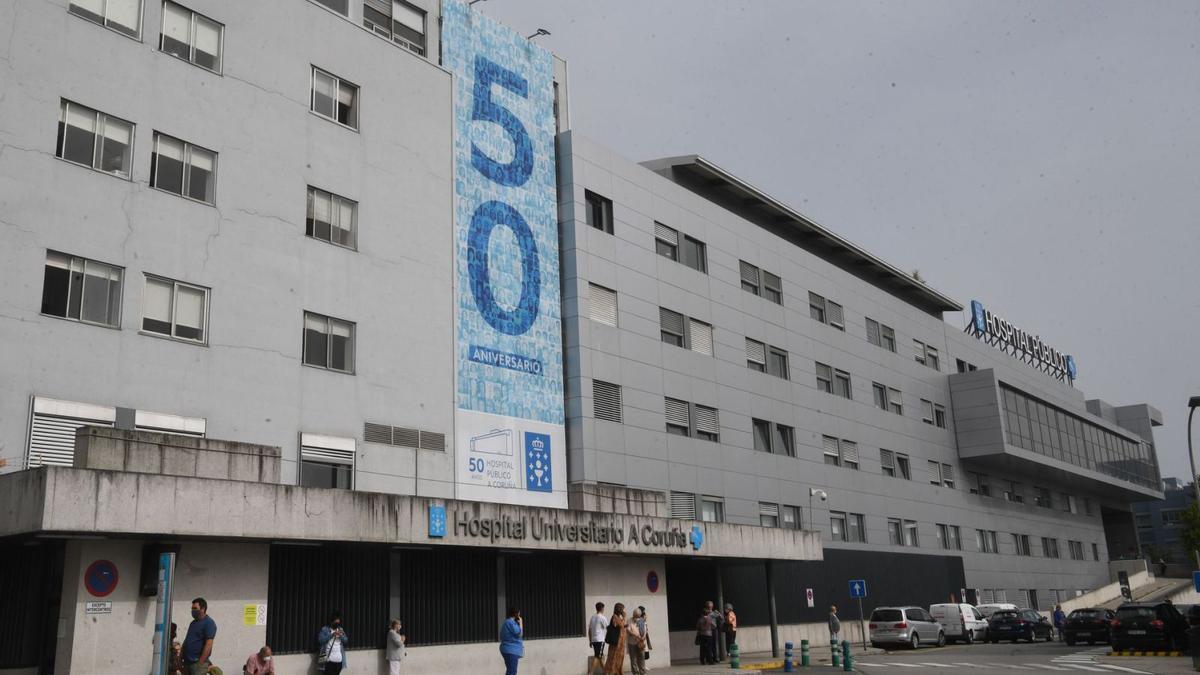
x,y
760,662
1160,665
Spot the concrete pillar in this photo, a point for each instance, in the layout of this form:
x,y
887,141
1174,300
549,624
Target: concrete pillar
x,y
720,636
771,610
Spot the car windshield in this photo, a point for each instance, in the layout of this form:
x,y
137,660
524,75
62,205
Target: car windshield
x,y
1126,613
886,615
1006,614
1085,614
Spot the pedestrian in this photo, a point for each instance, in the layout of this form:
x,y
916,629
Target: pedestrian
x,y
512,640
198,643
397,646
835,626
1060,620
331,645
1162,567
706,632
597,629
635,642
615,637
644,624
730,627
260,662
718,627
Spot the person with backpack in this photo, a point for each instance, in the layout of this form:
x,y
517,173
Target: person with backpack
x,y
331,645
615,639
706,634
716,653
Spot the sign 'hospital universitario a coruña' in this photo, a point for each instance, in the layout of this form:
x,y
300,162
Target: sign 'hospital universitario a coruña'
x,y
508,424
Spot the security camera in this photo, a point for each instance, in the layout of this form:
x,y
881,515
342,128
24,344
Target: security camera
x,y
820,494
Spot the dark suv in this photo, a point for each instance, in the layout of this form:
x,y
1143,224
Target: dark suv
x,y
1149,625
1018,624
1088,625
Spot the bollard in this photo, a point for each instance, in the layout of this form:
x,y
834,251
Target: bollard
x,y
804,653
847,662
735,661
833,647
789,666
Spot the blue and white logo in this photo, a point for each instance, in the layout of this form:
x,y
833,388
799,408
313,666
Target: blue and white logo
x,y
978,317
1071,366
538,476
437,521
696,537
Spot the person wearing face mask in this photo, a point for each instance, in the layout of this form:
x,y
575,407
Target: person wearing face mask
x,y
260,663
332,643
198,643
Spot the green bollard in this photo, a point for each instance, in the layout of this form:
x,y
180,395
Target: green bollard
x,y
847,661
735,661
804,653
834,648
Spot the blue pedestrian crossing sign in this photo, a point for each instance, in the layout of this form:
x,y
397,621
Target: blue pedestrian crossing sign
x,y
1196,581
858,588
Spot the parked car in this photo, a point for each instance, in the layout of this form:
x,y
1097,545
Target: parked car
x,y
990,608
1018,624
960,621
905,626
1148,625
1088,625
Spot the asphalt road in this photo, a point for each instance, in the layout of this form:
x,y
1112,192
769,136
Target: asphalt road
x,y
1007,658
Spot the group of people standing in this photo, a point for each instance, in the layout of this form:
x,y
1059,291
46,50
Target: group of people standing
x,y
620,635
710,626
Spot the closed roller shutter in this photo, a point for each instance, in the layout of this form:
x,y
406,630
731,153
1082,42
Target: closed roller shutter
x,y
683,505
52,429
677,413
603,305
606,401
672,322
756,352
836,316
701,335
850,452
706,420
873,332
830,445
749,273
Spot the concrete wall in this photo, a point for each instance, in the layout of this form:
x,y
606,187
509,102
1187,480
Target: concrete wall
x,y
174,455
250,247
612,580
228,576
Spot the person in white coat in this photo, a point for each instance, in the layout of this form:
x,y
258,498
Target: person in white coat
x,y
396,646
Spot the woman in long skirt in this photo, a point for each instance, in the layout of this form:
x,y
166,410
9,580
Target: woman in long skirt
x,y
616,653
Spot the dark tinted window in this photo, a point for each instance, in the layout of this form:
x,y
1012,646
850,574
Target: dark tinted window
x,y
1085,614
886,615
1126,613
1005,615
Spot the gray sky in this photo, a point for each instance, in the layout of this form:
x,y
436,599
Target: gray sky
x,y
1041,157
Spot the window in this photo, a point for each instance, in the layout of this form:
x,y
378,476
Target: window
x,y
948,476
175,309
837,317
895,532
606,401
712,509
700,337
671,326
326,461
964,367
190,36
184,169
1068,503
985,540
849,454
926,411
756,355
1049,547
772,288
1095,551
82,290
831,451
841,384
708,426
887,462
397,21
889,338
931,358
816,307
1087,507
695,254
775,438
94,139
948,537
761,430
1076,548
910,534
334,98
331,218
666,241
768,514
939,416
880,335
785,440
599,211
123,16
603,305
328,343
777,362
925,354
824,378
894,401
340,6
879,392
1041,497
903,467
919,351
1021,542
1012,492
679,417
789,517
935,472
750,279
979,485
837,525
857,529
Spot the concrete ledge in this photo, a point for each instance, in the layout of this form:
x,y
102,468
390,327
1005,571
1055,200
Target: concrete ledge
x,y
110,449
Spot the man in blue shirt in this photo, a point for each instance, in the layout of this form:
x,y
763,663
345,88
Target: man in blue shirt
x,y
198,645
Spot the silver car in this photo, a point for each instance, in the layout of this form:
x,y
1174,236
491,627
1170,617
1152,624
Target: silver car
x,y
910,626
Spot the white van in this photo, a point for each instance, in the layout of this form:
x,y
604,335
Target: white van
x,y
991,608
962,622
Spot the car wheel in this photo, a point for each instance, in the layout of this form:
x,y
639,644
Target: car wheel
x,y
941,639
914,641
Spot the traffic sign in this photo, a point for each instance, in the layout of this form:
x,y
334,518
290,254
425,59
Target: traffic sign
x,y
1196,581
809,595
100,578
858,588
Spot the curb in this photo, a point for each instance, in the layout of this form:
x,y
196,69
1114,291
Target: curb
x,y
1128,652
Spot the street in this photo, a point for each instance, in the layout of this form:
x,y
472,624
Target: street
x,y
984,659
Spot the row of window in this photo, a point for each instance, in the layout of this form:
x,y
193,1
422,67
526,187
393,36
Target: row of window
x,y
185,34
1012,491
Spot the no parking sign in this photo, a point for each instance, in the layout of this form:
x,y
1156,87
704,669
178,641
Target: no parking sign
x,y
101,578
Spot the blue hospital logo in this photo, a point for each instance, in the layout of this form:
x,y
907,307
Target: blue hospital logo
x,y
696,537
1071,370
437,521
538,477
978,317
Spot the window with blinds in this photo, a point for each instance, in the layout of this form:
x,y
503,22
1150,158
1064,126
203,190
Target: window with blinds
x,y
768,514
326,461
52,429
948,476
935,472
824,378
606,401
678,417
837,317
750,280
700,337
849,454
602,306
873,335
671,326
190,36
841,384
756,355
894,401
833,455
666,241
772,287
887,462
397,21
708,426
683,505
816,307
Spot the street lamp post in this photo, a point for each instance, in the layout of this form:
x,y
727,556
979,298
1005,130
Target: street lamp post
x,y
1193,403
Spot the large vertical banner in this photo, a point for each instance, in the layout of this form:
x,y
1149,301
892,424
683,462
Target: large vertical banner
x,y
509,437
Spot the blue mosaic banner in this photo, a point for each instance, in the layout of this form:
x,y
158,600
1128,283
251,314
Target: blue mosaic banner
x,y
509,388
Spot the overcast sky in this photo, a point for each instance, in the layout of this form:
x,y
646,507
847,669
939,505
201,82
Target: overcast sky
x,y
1041,157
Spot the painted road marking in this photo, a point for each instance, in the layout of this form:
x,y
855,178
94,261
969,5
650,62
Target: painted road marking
x,y
1046,666
1121,668
1080,666
937,665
